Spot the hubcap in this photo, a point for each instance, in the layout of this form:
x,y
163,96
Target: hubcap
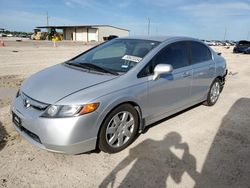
x,y
120,129
215,91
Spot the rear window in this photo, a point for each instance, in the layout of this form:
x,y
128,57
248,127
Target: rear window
x,y
200,52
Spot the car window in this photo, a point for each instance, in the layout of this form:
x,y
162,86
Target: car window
x,y
117,55
175,54
118,50
199,52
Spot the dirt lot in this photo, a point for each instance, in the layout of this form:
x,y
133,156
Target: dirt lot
x,y
201,147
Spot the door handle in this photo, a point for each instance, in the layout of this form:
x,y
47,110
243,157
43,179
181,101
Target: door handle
x,y
186,74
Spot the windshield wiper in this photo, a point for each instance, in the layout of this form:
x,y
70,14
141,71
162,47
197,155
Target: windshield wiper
x,y
77,65
95,67
89,66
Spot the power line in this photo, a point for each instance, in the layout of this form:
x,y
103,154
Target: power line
x,y
47,17
148,26
225,33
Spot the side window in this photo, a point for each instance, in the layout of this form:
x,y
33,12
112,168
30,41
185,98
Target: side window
x,y
175,54
199,53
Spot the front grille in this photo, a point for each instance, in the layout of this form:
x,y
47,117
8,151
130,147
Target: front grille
x,y
31,134
32,103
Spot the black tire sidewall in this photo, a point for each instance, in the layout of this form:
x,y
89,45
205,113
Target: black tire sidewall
x,y
209,102
102,143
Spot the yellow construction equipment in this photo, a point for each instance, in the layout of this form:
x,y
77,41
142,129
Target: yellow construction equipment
x,y
52,35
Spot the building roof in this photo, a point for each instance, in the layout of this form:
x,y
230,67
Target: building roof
x,y
77,26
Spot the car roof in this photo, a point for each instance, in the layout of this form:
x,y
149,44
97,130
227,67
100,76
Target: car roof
x,y
158,38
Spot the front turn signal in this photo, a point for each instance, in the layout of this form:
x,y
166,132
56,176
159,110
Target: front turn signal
x,y
87,108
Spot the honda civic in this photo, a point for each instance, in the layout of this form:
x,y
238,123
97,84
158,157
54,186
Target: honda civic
x,y
106,96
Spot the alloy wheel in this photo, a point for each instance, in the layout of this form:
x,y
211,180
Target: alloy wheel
x,y
120,129
215,92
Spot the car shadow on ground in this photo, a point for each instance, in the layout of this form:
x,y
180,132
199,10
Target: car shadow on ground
x,y
227,163
3,136
154,162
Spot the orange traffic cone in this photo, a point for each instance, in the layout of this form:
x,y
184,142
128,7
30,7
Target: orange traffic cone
x,y
2,43
55,43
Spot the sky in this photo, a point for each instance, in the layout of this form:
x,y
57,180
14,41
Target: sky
x,y
204,19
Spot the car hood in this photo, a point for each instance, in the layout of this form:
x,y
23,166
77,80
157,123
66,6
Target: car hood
x,y
54,83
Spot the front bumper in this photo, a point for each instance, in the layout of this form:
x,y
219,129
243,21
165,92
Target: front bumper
x,y
224,78
71,135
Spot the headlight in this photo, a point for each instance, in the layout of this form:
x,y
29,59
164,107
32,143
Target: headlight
x,y
69,110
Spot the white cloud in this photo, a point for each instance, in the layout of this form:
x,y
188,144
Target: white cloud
x,y
69,4
217,9
84,3
165,3
213,18
27,21
227,6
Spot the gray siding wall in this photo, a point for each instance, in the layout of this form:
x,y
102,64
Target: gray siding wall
x,y
68,34
80,34
105,31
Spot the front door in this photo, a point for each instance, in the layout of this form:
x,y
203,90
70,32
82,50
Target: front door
x,y
171,91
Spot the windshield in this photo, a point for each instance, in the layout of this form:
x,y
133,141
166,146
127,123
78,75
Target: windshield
x,y
118,55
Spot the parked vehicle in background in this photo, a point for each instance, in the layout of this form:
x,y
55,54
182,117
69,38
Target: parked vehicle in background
x,y
110,37
209,43
105,96
242,46
3,35
217,43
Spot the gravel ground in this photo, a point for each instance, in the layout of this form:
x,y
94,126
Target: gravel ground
x,y
200,147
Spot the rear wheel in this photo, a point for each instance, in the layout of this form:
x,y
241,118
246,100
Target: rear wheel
x,y
119,129
213,93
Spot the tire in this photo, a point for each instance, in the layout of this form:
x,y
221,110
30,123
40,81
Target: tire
x,y
213,93
119,129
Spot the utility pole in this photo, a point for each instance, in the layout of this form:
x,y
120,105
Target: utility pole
x,y
248,34
148,26
47,17
225,33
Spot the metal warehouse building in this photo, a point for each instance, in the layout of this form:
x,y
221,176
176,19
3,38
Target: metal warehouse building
x,y
88,33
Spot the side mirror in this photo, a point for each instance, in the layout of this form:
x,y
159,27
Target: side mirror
x,y
162,69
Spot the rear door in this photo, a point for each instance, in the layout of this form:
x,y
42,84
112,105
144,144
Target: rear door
x,y
203,69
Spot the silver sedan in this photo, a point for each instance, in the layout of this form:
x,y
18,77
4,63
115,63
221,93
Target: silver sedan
x,y
107,95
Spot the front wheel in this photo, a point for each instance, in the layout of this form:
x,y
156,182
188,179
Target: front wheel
x,y
213,93
119,129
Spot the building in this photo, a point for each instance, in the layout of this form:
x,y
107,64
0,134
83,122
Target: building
x,y
88,33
